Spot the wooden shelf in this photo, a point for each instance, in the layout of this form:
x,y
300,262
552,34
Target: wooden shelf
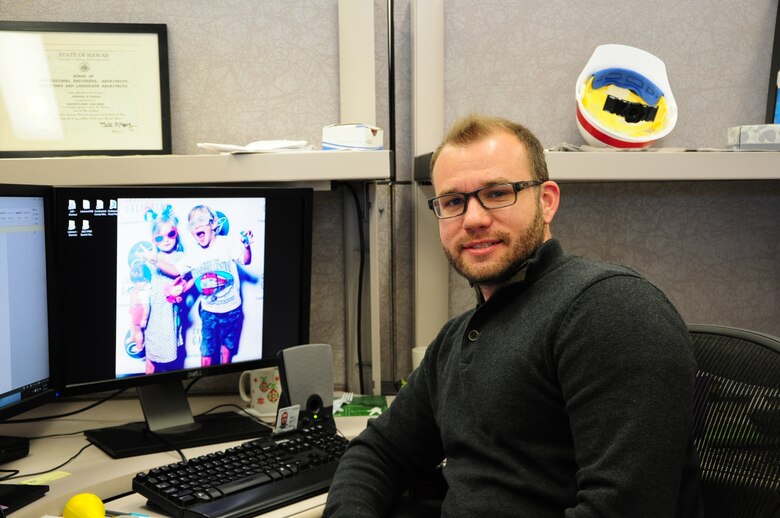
x,y
622,166
315,168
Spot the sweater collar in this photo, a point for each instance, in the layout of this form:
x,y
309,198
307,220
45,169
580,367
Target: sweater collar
x,y
543,256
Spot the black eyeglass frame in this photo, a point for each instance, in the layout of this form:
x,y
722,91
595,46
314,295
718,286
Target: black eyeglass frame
x,y
516,187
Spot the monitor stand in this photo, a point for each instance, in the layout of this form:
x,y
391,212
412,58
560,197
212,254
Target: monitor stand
x,y
170,425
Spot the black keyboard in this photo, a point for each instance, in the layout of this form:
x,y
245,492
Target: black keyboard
x,y
249,479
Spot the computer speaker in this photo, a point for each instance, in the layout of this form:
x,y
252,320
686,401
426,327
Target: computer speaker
x,y
306,373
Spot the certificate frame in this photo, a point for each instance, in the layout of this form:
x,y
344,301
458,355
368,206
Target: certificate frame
x,y
70,89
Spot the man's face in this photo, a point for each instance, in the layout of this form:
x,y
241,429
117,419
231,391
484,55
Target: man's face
x,y
202,228
488,246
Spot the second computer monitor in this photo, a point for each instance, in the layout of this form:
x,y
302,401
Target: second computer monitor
x,y
25,292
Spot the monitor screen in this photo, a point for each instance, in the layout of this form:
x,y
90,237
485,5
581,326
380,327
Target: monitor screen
x,y
24,298
162,284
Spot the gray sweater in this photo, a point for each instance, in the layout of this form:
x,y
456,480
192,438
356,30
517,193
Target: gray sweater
x,y
568,393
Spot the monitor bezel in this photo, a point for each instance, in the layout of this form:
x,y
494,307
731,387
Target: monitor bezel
x,y
50,392
66,388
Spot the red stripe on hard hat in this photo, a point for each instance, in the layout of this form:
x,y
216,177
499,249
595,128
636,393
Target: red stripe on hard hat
x,y
606,139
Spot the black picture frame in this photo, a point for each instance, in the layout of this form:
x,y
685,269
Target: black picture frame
x,y
772,107
72,89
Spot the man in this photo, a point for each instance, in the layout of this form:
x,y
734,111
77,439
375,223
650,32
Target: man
x,y
567,391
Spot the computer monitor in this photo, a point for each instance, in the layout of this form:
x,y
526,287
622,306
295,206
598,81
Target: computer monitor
x,y
163,284
25,295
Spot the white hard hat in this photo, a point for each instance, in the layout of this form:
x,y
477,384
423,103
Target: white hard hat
x,y
624,99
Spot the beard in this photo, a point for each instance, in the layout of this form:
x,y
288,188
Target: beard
x,y
520,248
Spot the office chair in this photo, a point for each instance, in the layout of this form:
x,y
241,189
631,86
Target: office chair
x,y
737,421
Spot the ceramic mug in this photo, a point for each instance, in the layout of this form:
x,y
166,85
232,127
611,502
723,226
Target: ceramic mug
x,y
261,388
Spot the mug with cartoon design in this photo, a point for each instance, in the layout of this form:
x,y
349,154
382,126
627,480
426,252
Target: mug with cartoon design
x,y
261,388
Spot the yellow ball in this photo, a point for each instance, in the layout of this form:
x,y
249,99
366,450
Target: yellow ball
x,y
84,505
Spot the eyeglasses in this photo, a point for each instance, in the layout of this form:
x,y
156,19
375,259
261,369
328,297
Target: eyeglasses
x,y
491,197
172,233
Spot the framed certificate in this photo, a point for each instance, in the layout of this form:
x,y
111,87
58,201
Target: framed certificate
x,y
83,89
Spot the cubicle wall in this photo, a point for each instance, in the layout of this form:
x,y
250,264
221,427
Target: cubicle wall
x,y
251,69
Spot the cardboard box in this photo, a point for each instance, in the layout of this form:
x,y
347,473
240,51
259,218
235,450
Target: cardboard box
x,y
352,136
757,137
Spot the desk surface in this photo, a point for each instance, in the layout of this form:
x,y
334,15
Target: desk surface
x,y
93,471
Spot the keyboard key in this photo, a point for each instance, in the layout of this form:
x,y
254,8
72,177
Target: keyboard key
x,y
244,484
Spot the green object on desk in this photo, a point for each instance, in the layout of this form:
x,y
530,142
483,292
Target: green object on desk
x,y
362,406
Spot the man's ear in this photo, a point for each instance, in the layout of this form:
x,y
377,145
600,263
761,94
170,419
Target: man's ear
x,y
551,197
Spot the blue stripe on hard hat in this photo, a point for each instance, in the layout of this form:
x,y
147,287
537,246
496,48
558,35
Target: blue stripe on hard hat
x,y
629,80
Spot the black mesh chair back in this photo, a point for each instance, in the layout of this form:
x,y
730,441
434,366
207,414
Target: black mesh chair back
x,y
737,421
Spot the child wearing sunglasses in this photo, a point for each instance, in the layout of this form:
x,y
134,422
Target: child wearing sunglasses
x,y
212,266
163,334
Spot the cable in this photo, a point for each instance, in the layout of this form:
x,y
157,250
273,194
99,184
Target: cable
x,y
68,434
117,497
190,384
392,144
361,238
49,470
68,414
161,437
242,409
393,286
11,472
